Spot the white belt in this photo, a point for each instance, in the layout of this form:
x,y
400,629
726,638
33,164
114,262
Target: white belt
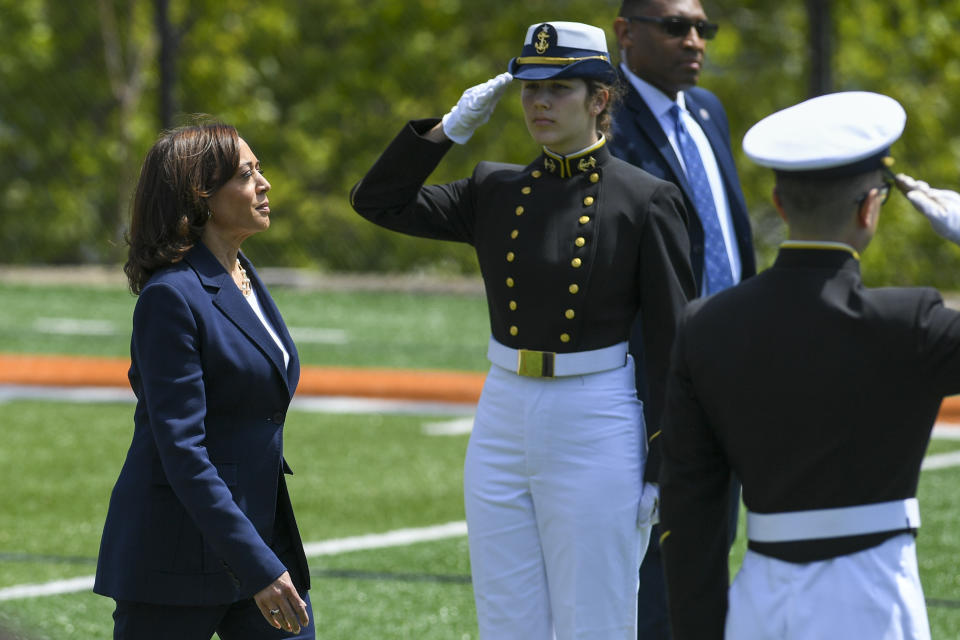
x,y
547,364
834,523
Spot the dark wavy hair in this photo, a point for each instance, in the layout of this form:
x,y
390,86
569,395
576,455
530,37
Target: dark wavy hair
x,y
616,93
183,168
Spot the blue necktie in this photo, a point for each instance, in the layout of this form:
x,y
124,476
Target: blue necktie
x,y
716,263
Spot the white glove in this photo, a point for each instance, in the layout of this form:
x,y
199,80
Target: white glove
x,y
649,513
474,108
940,206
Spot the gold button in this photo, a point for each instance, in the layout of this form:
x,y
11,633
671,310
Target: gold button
x,y
513,305
514,331
576,262
580,242
536,173
564,337
525,191
588,201
509,282
584,219
515,233
569,313
594,177
510,256
574,288
519,211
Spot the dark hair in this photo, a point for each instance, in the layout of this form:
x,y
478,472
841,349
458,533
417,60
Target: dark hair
x,y
605,117
183,168
822,205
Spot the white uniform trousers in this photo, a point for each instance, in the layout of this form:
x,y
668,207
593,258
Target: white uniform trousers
x,y
552,484
874,593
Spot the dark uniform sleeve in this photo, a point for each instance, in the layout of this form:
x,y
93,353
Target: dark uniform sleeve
x,y
667,284
392,194
938,330
694,503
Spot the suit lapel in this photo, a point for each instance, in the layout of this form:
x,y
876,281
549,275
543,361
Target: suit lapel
x,y
648,124
227,297
270,309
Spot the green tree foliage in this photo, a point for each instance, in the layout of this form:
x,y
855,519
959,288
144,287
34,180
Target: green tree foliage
x,y
318,87
906,49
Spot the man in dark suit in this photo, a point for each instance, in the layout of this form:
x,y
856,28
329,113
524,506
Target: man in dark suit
x,y
662,46
821,399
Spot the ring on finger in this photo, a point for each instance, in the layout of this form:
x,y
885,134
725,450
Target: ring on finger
x,y
274,612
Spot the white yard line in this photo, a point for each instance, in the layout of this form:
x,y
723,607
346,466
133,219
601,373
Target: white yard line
x,y
941,461
947,431
458,427
74,327
397,538
57,587
317,404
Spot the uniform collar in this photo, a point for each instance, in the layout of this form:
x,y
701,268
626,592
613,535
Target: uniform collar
x,y
818,254
582,161
824,245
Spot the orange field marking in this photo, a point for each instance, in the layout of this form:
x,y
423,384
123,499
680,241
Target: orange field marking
x,y
72,371
403,384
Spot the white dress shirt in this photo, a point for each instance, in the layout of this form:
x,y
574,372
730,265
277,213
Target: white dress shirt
x,y
254,303
660,105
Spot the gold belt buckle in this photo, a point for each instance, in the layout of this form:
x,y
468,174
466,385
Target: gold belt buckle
x,y
535,364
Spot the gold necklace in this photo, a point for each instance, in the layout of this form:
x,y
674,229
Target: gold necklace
x,y
245,288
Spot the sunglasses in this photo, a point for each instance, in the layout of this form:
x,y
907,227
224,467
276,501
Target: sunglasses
x,y
882,189
677,27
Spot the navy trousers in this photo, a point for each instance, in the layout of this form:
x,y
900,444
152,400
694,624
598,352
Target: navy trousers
x,y
238,621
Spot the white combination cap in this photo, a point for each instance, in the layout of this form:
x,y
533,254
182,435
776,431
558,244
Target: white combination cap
x,y
838,134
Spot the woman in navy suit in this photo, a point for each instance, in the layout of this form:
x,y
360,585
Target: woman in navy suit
x,y
200,535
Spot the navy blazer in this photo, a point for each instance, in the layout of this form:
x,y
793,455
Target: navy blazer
x,y
202,492
639,139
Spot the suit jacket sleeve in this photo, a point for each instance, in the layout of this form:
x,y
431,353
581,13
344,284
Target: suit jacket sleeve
x,y
392,194
165,347
667,283
694,491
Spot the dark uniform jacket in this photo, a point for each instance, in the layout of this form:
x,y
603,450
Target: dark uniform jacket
x,y
571,249
200,514
816,391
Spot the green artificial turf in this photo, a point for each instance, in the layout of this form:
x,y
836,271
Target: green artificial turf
x,y
354,474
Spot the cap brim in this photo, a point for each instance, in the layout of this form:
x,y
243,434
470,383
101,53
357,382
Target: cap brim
x,y
583,69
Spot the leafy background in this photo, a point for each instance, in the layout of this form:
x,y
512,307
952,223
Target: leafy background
x,y
320,86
